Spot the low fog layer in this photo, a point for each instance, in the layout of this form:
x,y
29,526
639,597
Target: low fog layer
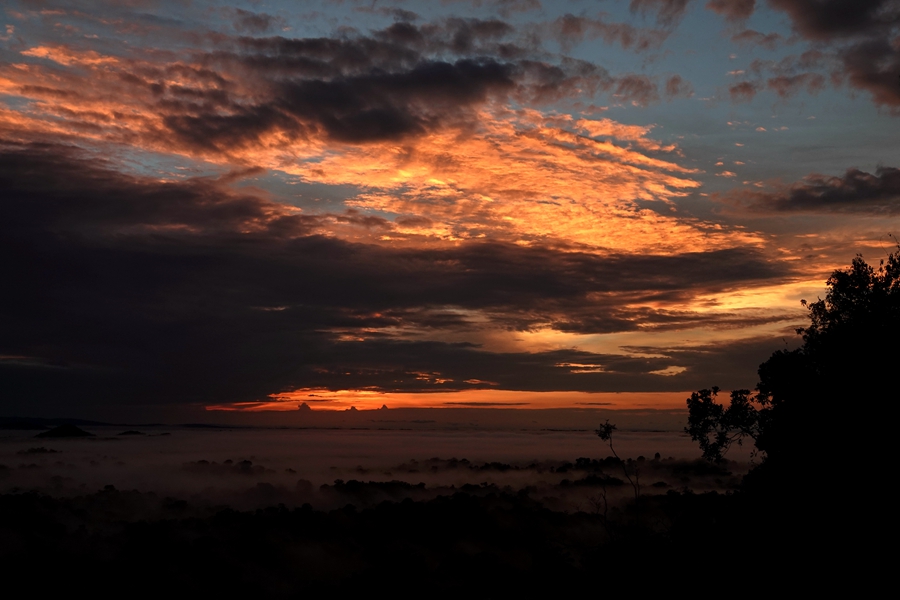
x,y
327,468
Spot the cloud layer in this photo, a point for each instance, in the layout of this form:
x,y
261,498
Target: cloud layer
x,y
220,205
128,287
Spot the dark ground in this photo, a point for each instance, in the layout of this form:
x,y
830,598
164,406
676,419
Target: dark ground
x,y
480,543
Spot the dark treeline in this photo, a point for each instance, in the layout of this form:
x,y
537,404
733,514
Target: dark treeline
x,y
483,546
475,540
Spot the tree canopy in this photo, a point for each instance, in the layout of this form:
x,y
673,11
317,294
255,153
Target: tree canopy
x,y
833,383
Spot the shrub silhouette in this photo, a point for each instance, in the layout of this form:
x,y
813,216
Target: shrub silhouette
x,y
829,387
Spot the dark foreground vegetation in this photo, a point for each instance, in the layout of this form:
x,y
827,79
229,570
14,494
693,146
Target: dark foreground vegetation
x,y
838,387
837,384
496,545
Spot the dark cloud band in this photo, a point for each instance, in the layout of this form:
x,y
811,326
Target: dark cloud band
x,y
855,192
126,289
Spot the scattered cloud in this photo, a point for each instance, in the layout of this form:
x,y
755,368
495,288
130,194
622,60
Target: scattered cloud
x,y
786,87
770,41
732,10
744,91
667,12
676,87
570,29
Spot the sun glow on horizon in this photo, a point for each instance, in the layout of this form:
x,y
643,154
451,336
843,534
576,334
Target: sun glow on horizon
x,y
319,399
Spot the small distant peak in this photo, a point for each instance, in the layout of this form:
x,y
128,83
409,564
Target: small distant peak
x,y
352,409
384,407
67,430
304,407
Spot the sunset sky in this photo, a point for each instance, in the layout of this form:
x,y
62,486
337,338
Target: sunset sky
x,y
250,205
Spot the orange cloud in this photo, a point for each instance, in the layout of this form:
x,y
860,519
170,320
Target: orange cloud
x,y
517,175
67,56
526,176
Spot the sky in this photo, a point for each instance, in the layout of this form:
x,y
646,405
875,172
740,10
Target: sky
x,y
249,206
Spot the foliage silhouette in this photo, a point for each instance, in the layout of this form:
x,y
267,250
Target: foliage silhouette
x,y
715,428
829,385
632,474
605,433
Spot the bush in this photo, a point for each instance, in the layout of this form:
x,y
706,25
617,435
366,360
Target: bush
x,y
833,386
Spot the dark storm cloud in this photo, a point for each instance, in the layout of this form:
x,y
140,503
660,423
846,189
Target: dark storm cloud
x,y
733,10
828,19
372,106
362,89
874,66
389,106
430,366
50,188
123,289
855,192
864,34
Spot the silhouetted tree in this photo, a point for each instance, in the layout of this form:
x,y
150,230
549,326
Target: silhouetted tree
x,y
715,428
832,384
605,433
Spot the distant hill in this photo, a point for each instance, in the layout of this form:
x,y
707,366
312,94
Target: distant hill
x,y
66,430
